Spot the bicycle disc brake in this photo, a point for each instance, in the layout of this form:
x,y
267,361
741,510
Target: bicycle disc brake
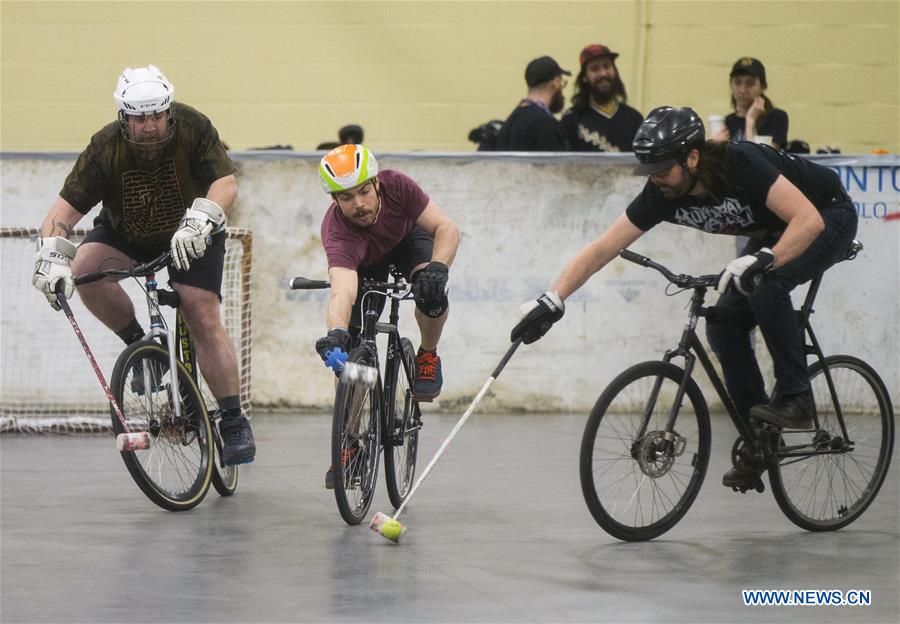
x,y
656,451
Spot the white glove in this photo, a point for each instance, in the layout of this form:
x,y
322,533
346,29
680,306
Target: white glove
x,y
203,218
744,273
52,263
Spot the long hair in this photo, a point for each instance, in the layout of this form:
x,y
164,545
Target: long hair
x,y
712,168
582,96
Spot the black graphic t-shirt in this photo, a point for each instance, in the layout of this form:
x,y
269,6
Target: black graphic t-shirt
x,y
145,203
751,171
591,130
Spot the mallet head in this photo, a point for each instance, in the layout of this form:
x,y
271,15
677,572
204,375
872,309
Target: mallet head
x,y
387,527
359,374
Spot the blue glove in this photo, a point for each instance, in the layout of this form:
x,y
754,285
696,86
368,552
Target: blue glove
x,y
333,348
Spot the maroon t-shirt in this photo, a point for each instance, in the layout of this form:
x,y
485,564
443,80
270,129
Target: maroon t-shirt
x,y
352,247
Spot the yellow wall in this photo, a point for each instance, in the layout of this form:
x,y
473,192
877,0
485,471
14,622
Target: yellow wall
x,y
420,75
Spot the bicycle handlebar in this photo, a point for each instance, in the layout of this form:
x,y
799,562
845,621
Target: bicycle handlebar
x,y
139,270
304,283
681,280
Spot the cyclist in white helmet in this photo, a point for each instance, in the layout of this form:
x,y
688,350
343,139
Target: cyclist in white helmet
x,y
164,181
378,218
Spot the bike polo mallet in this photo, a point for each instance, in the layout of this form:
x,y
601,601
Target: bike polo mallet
x,y
336,359
388,526
128,441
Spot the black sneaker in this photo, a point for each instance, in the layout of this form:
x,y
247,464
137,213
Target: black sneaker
x,y
238,447
428,376
795,411
742,479
137,378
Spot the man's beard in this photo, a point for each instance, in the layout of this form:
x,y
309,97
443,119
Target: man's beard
x,y
603,92
557,103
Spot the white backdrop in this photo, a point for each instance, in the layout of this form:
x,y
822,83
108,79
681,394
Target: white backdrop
x,y
521,217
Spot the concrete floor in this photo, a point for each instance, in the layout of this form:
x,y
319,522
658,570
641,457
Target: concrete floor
x,y
498,533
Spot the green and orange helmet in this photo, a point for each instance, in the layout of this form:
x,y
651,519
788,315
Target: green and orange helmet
x,y
346,167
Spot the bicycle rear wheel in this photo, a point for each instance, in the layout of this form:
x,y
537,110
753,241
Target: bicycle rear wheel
x,y
637,480
175,471
402,436
355,441
834,483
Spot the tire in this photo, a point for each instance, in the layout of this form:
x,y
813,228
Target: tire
x,y
401,438
224,478
356,436
637,488
825,491
176,470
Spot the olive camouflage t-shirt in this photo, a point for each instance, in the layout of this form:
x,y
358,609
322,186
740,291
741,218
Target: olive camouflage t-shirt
x,y
144,203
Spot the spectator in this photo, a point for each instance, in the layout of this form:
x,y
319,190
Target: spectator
x,y
599,119
754,114
351,135
531,127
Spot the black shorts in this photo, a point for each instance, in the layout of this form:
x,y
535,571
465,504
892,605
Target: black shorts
x,y
415,249
205,272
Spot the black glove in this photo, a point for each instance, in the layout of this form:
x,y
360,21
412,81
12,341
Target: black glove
x,y
431,282
744,273
337,338
538,317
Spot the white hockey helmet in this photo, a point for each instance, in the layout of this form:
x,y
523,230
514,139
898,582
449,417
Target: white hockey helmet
x,y
145,91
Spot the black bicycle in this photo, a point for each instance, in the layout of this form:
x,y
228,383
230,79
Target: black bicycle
x,y
646,445
375,413
181,453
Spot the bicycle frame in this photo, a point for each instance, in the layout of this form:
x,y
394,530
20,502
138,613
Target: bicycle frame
x,y
159,329
371,327
691,349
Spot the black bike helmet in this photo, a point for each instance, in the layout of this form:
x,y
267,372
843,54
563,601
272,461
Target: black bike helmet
x,y
666,137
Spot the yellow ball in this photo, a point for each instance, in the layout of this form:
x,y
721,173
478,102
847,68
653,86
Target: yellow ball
x,y
391,529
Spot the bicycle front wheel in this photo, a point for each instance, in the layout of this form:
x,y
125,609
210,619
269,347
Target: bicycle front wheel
x,y
828,479
175,471
355,442
638,480
224,478
402,427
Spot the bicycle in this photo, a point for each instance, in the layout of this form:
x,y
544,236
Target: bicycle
x,y
646,445
375,415
181,455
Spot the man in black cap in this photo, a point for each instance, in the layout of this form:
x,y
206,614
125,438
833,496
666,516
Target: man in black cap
x,y
599,120
532,127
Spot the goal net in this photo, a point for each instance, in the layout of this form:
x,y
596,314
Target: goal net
x,y
46,381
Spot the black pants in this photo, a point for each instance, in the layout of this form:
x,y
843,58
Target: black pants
x,y
774,312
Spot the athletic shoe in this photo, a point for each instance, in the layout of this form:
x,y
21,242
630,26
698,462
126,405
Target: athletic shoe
x,y
795,411
428,376
743,479
346,457
237,436
137,377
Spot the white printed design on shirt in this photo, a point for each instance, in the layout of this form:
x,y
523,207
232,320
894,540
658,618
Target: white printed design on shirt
x,y
729,217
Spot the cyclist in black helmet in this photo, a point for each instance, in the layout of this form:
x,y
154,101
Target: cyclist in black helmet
x,y
799,220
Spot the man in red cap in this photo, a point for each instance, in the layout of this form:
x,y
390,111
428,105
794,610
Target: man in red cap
x,y
599,120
